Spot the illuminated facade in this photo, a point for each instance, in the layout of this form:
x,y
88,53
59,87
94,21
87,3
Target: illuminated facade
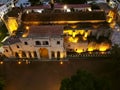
x,y
51,34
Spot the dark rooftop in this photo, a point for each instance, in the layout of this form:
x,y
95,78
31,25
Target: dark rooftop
x,y
71,16
59,6
14,12
45,31
11,40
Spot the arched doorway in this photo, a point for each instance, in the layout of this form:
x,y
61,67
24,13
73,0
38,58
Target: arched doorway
x,y
16,55
44,53
58,54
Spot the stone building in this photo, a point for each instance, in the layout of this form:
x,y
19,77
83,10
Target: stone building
x,y
52,33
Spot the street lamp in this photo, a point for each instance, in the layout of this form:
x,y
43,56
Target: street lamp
x,y
19,62
61,62
65,7
1,62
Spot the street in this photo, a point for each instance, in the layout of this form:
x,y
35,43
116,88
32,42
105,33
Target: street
x,y
44,75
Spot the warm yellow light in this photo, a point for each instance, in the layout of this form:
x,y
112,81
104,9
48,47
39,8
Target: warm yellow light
x,y
74,40
27,62
104,46
74,34
92,46
102,52
111,16
61,62
84,38
1,62
89,9
86,34
90,49
68,32
81,32
74,26
27,27
79,50
25,34
19,62
65,7
102,49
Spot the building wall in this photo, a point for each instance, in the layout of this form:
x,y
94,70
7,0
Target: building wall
x,y
6,7
28,47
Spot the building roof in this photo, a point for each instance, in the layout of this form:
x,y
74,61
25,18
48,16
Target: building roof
x,y
71,16
1,4
46,31
59,6
11,40
104,6
14,12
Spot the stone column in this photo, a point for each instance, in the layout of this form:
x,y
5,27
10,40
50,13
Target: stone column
x,y
38,53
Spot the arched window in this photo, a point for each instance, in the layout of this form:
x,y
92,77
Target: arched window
x,y
58,54
35,54
26,43
37,43
16,54
45,43
30,54
52,54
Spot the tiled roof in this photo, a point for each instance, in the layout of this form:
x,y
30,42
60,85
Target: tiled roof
x,y
11,40
59,6
14,12
72,16
46,31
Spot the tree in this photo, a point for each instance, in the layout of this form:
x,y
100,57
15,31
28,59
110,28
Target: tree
x,y
1,84
83,81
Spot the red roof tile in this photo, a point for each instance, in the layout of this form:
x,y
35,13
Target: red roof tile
x,y
46,31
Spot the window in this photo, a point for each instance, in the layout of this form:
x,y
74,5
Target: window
x,y
37,43
18,46
58,42
52,54
58,54
30,56
6,50
35,54
23,54
25,43
45,43
16,54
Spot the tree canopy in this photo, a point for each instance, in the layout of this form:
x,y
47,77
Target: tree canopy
x,y
1,84
83,81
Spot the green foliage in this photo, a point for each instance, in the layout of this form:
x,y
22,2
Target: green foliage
x,y
3,32
1,84
83,81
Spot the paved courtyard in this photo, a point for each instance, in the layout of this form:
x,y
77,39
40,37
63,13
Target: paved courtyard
x,y
45,75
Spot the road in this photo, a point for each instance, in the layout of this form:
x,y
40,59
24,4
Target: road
x,y
45,75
